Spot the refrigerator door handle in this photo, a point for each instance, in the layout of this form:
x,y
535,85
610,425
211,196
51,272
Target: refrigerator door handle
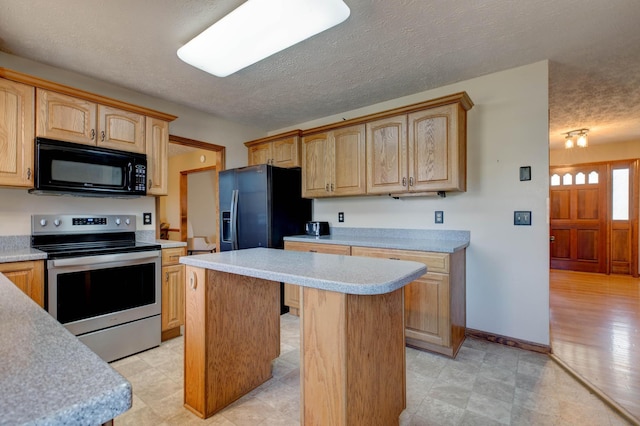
x,y
234,220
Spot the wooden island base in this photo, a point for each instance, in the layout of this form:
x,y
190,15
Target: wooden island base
x,y
352,348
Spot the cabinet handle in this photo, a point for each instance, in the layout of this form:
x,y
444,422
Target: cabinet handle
x,y
166,276
93,134
394,258
102,136
193,281
149,184
326,188
29,173
313,251
411,181
331,187
404,181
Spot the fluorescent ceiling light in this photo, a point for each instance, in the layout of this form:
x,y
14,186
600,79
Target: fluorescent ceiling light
x,y
258,29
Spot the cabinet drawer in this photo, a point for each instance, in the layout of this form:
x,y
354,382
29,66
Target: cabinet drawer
x,y
436,262
170,256
318,247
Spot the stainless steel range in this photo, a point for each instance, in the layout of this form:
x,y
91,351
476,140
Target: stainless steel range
x,y
102,284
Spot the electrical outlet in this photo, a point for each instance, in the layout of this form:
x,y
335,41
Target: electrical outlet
x,y
341,217
439,216
146,218
522,218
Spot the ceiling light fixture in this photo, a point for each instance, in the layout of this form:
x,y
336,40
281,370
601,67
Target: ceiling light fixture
x,y
258,29
581,141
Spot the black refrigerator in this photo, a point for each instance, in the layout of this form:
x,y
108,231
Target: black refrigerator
x,y
259,205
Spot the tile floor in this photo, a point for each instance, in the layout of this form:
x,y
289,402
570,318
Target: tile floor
x,y
487,384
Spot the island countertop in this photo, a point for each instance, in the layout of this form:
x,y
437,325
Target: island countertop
x,y
344,274
47,375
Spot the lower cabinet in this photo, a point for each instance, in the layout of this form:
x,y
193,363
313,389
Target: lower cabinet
x,y
292,291
173,278
434,304
28,276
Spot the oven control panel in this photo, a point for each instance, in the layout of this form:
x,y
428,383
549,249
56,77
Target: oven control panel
x,y
77,223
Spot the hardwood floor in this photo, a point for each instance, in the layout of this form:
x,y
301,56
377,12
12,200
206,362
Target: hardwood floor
x,y
595,330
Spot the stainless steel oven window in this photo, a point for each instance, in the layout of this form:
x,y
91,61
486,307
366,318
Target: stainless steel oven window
x,y
96,292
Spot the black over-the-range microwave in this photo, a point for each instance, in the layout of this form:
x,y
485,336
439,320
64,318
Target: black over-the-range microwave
x,y
70,168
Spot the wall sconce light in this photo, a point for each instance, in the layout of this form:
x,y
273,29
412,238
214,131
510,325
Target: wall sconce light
x,y
580,137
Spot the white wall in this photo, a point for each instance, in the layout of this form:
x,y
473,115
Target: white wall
x,y
201,203
16,205
507,265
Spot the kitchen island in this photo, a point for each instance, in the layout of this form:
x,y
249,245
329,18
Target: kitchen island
x,y
46,375
352,365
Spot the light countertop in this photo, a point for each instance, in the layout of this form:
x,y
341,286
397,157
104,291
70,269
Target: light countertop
x,y
404,239
46,375
344,274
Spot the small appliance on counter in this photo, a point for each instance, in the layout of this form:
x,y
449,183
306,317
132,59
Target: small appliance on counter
x,y
317,229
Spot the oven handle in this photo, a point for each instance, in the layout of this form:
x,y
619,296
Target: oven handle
x,y
104,258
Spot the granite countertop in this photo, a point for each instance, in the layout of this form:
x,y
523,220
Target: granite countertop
x,y
344,274
47,375
170,243
404,239
21,254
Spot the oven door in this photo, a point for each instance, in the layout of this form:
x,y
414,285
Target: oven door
x,y
96,292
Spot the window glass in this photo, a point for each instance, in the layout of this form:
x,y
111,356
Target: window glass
x,y
567,179
555,180
593,177
580,178
620,194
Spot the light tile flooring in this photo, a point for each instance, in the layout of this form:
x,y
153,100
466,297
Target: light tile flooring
x,y
487,384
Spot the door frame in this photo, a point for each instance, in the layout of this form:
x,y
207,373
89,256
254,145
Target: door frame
x,y
220,164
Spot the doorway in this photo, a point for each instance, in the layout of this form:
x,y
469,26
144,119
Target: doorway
x,y
594,217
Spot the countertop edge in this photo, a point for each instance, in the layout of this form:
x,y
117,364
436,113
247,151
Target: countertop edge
x,y
436,246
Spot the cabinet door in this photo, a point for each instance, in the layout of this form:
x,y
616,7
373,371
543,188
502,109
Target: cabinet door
x,y
260,154
349,170
28,276
316,166
122,130
426,300
172,296
16,133
387,156
437,158
157,145
285,152
65,118
292,291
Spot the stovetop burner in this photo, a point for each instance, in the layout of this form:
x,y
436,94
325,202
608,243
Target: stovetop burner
x,y
84,235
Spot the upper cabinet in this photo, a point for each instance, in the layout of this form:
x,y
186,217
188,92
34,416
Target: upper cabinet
x,y
16,134
280,150
412,150
424,151
30,106
333,163
73,119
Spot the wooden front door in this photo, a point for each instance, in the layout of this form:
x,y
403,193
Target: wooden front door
x,y
578,218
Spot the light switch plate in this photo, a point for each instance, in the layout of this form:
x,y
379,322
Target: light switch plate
x,y
525,173
522,218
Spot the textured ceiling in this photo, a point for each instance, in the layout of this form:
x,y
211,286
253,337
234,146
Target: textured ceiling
x,y
386,49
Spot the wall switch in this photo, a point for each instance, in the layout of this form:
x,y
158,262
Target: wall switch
x,y
522,218
439,216
525,173
146,218
341,217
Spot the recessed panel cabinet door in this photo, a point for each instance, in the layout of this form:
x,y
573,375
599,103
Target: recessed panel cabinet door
x,y
16,134
65,118
157,145
316,161
387,156
173,278
260,154
285,153
349,161
121,130
28,276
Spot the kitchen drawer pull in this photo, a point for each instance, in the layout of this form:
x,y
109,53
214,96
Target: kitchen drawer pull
x,y
404,181
193,281
394,258
411,181
313,251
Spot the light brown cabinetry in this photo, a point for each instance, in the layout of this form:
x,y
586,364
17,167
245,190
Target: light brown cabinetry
x,y
157,145
333,163
292,291
173,280
28,276
79,120
424,151
16,133
280,150
435,304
